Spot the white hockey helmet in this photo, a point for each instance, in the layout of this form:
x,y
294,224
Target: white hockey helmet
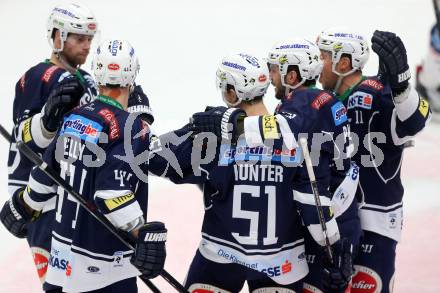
x,y
248,76
340,41
70,18
299,52
115,64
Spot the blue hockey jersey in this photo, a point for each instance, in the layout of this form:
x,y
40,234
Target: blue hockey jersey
x,y
331,150
31,93
383,128
251,207
251,217
90,153
321,118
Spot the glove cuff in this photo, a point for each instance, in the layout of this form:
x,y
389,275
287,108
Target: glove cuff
x,y
47,133
18,206
153,232
236,117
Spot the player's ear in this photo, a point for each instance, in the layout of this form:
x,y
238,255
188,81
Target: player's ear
x,y
231,95
344,64
291,77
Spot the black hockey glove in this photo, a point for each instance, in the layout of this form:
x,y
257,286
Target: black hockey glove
x,y
225,123
14,215
393,62
337,276
138,102
150,253
61,100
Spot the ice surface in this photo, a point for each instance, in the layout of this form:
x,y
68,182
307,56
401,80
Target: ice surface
x,y
179,44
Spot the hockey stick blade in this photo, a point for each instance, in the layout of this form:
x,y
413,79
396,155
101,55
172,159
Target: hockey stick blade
x,y
314,185
89,207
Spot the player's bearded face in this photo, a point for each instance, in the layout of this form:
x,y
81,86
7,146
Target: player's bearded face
x,y
77,48
275,79
327,78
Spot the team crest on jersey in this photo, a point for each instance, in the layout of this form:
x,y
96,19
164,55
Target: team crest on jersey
x,y
339,113
360,100
81,127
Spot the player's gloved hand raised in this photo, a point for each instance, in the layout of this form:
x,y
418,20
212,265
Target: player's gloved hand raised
x,y
61,100
14,215
393,61
226,123
138,102
149,256
337,276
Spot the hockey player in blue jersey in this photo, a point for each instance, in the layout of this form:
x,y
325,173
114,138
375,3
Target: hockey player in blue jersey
x,y
295,66
88,149
294,80
254,198
49,84
42,96
385,114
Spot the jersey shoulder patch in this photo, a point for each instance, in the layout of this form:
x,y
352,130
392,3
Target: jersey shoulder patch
x,y
320,100
339,113
82,127
49,73
372,84
110,118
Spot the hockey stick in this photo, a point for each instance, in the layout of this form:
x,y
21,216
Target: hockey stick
x,y
36,160
309,166
88,206
437,13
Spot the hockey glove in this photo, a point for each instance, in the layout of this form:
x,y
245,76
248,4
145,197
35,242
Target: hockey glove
x,y
225,123
14,215
62,99
393,62
337,276
149,256
138,102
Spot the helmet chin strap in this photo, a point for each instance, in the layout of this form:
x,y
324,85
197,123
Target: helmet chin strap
x,y
131,88
338,83
340,77
286,91
228,103
66,64
292,87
